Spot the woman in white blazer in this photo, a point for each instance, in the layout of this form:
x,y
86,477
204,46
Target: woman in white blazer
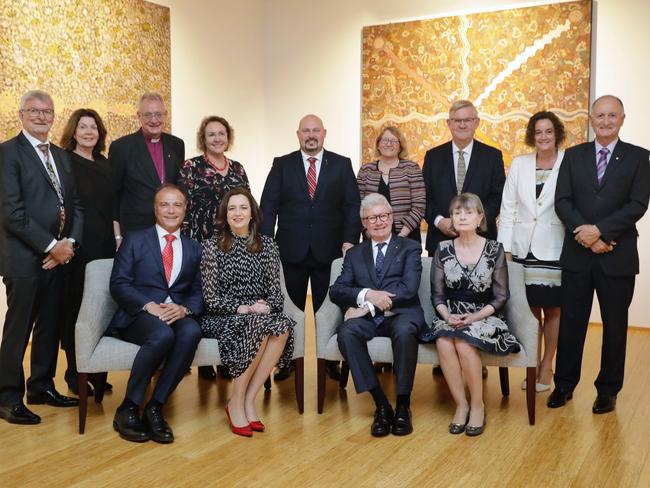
x,y
531,232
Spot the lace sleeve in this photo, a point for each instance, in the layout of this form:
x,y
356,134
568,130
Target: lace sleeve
x,y
500,291
437,281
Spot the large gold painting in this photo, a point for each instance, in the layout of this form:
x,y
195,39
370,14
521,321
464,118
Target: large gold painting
x,y
510,63
100,54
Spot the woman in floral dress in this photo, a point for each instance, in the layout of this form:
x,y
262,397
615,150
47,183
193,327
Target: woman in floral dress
x,y
469,286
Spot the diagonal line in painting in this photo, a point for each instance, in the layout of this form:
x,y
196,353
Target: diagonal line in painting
x,y
465,24
521,58
401,119
402,66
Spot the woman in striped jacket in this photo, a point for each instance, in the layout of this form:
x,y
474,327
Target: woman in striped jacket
x,y
398,179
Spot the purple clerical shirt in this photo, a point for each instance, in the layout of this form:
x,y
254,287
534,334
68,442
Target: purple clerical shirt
x,y
156,153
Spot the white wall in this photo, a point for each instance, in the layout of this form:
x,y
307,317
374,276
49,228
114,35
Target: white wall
x,y
263,64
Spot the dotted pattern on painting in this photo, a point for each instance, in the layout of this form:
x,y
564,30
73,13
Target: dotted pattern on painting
x,y
100,54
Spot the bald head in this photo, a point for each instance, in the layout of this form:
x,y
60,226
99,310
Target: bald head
x,y
311,134
607,117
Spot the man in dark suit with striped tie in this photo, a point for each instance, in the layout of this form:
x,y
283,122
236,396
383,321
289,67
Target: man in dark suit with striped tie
x,y
313,196
602,190
41,223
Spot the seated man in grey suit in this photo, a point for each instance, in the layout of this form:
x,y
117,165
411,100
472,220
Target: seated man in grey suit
x,y
378,289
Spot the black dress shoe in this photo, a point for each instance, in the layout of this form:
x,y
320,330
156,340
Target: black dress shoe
x,y
19,414
558,398
52,398
282,374
402,424
159,430
604,403
381,425
128,424
207,373
333,370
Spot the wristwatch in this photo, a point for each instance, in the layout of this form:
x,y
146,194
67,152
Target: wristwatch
x,y
188,311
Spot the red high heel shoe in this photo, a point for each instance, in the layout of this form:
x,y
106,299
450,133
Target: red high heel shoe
x,y
257,425
246,431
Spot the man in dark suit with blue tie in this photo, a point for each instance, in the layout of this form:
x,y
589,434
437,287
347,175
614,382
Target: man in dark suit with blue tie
x,y
378,291
41,222
313,196
602,190
156,282
140,163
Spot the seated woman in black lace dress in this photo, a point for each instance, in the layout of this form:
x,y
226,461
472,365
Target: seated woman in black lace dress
x,y
469,286
240,274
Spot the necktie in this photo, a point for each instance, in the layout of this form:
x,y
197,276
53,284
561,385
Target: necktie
x,y
45,149
379,261
601,165
311,177
460,173
168,256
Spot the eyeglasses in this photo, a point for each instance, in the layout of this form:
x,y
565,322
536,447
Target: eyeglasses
x,y
35,112
151,115
389,142
382,217
463,121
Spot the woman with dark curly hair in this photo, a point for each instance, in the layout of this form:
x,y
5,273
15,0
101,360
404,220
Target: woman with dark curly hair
x,y
531,232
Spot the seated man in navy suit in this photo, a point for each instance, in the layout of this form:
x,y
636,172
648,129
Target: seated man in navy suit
x,y
156,283
378,288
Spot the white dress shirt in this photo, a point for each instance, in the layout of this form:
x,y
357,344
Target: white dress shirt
x,y
467,154
177,248
319,160
361,297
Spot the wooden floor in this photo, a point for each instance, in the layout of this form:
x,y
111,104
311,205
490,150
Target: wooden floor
x,y
567,447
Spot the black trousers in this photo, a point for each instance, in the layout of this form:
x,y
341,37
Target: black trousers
x,y
297,275
32,304
614,296
175,344
353,336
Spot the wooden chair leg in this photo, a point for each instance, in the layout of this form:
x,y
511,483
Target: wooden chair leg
x,y
320,373
82,385
505,382
267,383
531,378
299,378
345,374
100,386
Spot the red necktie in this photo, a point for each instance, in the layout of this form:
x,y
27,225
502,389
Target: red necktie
x,y
311,177
168,256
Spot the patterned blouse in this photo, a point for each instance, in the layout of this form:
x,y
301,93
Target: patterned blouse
x,y
407,194
205,188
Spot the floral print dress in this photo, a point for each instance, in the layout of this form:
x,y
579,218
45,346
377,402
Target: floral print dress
x,y
467,289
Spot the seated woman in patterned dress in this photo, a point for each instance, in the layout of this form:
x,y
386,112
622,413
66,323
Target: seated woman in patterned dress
x,y
469,286
240,273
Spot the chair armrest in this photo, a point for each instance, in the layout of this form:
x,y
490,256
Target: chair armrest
x,y
521,321
97,309
290,310
328,318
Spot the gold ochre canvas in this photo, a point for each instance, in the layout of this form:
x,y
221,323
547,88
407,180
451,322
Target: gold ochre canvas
x,y
100,54
510,63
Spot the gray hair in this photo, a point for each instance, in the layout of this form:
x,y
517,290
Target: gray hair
x,y
372,200
151,96
458,104
38,95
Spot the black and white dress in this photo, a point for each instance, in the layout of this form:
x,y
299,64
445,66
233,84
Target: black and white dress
x,y
467,289
235,278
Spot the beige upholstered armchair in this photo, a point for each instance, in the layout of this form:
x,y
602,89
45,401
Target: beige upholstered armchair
x,y
519,318
97,353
